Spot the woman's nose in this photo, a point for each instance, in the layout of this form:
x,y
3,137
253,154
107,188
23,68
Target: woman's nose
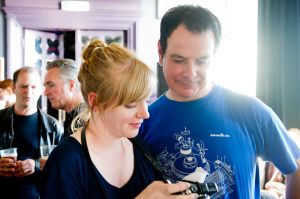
x,y
143,111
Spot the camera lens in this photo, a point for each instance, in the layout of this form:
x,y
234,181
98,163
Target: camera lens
x,y
194,188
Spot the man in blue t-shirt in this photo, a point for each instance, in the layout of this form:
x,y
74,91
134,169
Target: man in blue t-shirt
x,y
202,132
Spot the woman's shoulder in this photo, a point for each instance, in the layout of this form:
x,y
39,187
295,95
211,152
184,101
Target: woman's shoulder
x,y
68,149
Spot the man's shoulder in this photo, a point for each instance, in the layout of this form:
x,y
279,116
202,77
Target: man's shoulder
x,y
237,98
160,101
49,121
47,116
6,113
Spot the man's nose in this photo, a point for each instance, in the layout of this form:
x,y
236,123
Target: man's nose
x,y
190,70
45,91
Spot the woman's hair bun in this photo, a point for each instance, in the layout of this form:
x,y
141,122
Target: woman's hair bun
x,y
91,46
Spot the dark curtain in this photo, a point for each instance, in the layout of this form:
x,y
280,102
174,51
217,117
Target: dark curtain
x,y
278,67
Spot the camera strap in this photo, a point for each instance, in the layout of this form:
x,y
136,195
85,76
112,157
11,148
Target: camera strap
x,y
90,162
137,142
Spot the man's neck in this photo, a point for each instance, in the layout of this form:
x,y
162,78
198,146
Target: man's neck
x,y
205,90
72,105
19,110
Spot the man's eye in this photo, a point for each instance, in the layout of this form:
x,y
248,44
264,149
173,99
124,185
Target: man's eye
x,y
202,61
178,61
199,63
50,85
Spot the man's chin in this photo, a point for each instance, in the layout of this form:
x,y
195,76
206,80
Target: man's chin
x,y
54,106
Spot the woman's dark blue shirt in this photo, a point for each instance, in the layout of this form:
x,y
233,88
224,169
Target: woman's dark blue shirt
x,y
68,175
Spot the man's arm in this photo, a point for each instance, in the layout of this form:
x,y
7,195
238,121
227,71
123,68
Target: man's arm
x,y
292,184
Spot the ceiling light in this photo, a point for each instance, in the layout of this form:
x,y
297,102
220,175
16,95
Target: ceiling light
x,y
77,6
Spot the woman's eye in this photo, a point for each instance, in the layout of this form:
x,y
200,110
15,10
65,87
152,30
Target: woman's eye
x,y
149,100
131,105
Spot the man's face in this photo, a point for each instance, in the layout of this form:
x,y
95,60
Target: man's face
x,y
186,62
55,89
27,89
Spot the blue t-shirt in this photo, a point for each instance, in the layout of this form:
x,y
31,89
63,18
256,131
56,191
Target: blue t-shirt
x,y
68,175
220,135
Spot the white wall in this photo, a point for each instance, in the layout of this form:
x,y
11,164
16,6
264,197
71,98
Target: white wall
x,y
235,66
14,45
148,34
2,26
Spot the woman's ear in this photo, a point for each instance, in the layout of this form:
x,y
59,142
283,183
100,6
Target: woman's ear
x,y
92,99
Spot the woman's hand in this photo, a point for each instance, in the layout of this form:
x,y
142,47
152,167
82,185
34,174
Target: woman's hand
x,y
159,189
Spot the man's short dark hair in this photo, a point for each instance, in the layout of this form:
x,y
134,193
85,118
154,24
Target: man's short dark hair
x,y
27,69
195,18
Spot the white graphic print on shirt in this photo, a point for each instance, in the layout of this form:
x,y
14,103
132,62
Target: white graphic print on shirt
x,y
189,162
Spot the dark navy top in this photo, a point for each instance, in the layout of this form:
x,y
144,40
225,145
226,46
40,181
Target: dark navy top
x,y
68,174
26,136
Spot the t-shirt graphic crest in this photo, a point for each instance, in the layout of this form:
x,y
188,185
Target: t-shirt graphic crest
x,y
190,163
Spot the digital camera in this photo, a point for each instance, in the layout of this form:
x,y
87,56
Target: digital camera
x,y
204,190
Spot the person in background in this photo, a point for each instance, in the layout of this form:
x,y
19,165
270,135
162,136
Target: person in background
x,y
7,97
26,127
63,89
99,160
274,184
200,131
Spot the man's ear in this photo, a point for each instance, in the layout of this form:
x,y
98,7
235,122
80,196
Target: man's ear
x,y
160,53
72,85
13,88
